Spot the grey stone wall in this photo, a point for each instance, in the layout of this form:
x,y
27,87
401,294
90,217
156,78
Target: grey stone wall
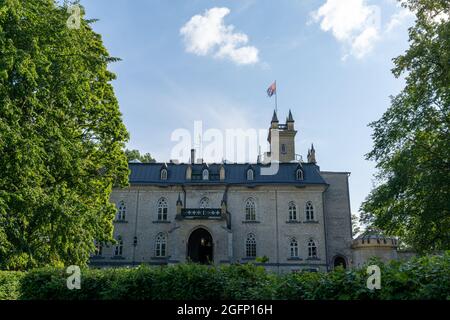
x,y
337,217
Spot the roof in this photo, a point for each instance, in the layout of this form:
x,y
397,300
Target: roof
x,y
149,174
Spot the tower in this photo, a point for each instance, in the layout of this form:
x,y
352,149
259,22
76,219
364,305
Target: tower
x,y
284,146
312,155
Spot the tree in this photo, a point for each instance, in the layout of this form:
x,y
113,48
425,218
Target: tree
x,y
61,137
411,140
136,155
356,228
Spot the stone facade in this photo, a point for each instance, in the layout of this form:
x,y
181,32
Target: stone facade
x,y
297,219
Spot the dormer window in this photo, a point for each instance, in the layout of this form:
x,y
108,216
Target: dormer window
x,y
250,174
164,174
205,174
299,174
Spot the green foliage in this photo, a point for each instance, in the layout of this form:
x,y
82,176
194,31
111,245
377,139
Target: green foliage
x,y
136,155
61,138
419,278
411,140
10,285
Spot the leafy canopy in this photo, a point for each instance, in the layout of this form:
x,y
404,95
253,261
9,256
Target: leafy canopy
x,y
412,139
133,155
61,137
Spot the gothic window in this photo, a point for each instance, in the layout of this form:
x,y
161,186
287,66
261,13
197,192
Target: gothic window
x,y
250,174
160,245
292,211
204,203
205,174
283,149
309,211
250,210
121,211
162,209
118,250
250,246
299,174
294,248
164,174
312,249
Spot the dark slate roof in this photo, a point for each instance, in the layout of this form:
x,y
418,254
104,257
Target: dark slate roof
x,y
149,174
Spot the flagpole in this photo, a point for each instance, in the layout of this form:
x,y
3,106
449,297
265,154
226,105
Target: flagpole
x,y
276,97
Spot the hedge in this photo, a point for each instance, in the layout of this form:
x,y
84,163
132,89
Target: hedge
x,y
419,278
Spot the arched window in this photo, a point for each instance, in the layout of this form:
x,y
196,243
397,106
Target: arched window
x,y
294,248
118,250
205,174
312,249
309,211
162,209
250,246
160,245
292,211
250,174
121,211
204,203
299,174
250,210
164,174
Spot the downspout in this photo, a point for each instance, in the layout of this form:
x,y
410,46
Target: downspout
x,y
276,224
325,227
135,228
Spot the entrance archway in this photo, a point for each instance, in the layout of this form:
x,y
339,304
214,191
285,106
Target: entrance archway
x,y
340,261
200,246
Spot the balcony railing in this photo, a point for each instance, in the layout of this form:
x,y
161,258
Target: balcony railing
x,y
201,213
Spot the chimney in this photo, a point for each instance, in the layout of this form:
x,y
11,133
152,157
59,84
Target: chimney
x,y
192,156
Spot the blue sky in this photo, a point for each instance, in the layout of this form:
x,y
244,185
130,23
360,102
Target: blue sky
x,y
331,60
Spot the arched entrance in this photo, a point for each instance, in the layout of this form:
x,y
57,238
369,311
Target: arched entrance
x,y
200,246
340,261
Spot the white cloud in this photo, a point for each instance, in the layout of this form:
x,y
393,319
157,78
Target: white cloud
x,y
352,22
398,19
207,34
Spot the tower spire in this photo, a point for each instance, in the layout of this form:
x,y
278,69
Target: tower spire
x,y
274,117
312,155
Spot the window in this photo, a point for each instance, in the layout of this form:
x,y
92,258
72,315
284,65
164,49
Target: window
x,y
162,209
309,211
121,211
250,246
160,245
250,210
250,174
204,203
164,174
292,211
294,248
119,247
205,174
299,174
283,149
312,249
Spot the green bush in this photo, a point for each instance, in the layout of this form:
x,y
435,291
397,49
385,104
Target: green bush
x,y
419,278
10,284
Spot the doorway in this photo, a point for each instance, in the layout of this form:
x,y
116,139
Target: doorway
x,y
200,247
340,261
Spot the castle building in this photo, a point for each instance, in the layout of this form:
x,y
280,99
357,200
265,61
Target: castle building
x,y
295,219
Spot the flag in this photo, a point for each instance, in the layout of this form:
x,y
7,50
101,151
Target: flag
x,y
272,89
